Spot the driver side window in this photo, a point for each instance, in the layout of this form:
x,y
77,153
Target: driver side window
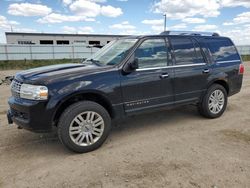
x,y
152,53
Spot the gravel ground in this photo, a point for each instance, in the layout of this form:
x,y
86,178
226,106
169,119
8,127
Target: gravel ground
x,y
174,148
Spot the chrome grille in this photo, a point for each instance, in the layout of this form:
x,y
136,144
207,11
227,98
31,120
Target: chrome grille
x,y
15,88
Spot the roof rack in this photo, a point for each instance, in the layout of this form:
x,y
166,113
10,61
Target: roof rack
x,y
192,33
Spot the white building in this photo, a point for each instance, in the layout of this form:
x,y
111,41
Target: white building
x,y
59,39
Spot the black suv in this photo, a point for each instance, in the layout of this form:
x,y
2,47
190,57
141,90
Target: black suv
x,y
128,76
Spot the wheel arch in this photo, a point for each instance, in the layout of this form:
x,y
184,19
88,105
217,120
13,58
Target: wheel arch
x,y
81,96
221,82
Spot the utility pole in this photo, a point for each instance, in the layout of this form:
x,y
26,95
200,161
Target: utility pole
x,y
165,22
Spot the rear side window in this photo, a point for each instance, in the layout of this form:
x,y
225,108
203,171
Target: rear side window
x,y
185,52
222,49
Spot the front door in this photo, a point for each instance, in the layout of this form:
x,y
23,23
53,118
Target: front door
x,y
149,86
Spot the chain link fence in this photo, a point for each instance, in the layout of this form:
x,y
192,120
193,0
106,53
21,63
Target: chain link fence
x,y
244,50
36,52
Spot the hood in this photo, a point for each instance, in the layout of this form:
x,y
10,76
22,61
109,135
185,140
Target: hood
x,y
52,73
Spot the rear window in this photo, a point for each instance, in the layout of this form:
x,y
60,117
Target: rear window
x,y
222,49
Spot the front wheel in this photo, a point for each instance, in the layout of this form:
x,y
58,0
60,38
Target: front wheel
x,y
214,102
84,126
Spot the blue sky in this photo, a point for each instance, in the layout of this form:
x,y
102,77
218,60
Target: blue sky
x,y
228,17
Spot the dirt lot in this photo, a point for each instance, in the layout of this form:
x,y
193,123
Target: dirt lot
x,y
176,148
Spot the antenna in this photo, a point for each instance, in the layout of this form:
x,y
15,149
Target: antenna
x,y
165,22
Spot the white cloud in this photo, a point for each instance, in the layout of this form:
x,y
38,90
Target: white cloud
x,y
180,9
178,26
242,18
85,8
91,8
157,26
79,30
235,3
28,9
14,0
234,34
59,18
98,1
194,20
153,22
85,30
110,11
124,25
6,24
25,30
66,2
158,29
125,28
205,27
68,29
228,23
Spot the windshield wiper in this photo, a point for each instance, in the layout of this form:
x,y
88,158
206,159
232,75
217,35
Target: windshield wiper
x,y
93,61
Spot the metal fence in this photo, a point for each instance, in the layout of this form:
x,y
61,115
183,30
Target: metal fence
x,y
244,50
30,52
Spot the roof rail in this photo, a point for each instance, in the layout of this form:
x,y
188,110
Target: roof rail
x,y
192,33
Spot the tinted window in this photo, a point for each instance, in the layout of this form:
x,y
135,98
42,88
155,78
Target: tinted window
x,y
183,50
199,56
152,53
222,49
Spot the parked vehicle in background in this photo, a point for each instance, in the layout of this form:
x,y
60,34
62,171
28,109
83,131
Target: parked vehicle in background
x,y
128,76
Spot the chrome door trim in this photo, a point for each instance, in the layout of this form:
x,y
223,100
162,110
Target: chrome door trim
x,y
230,61
173,66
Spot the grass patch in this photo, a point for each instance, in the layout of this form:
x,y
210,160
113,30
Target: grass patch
x,y
27,64
245,57
3,112
237,135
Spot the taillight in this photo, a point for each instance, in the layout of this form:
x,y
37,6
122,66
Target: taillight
x,y
241,69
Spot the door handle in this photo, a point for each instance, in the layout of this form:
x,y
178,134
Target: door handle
x,y
205,71
164,75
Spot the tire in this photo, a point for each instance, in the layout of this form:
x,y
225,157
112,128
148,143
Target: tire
x,y
207,109
74,131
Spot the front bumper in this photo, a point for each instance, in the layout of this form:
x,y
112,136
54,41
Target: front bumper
x,y
30,115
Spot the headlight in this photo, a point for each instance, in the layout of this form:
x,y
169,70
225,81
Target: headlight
x,y
33,92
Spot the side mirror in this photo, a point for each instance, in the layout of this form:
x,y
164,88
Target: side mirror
x,y
134,64
131,65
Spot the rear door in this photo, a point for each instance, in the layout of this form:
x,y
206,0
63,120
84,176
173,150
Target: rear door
x,y
226,61
190,69
150,86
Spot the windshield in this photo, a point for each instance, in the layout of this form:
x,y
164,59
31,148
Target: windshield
x,y
113,53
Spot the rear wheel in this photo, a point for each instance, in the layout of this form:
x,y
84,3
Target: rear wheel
x,y
214,102
84,126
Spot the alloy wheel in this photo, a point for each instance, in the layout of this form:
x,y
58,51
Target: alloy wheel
x,y
86,128
216,101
